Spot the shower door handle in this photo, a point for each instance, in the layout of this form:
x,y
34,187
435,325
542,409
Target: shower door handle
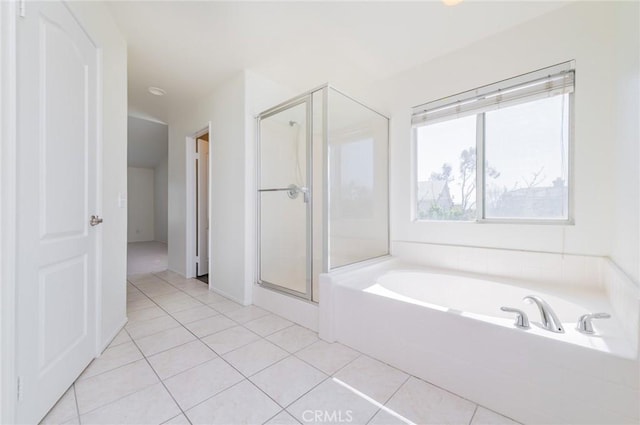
x,y
292,192
295,190
306,195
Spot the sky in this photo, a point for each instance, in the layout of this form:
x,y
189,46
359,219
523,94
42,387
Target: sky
x,y
520,140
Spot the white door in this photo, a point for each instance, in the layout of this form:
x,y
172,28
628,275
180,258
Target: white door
x,y
203,207
57,183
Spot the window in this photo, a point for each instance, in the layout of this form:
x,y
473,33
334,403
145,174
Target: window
x,y
497,153
446,170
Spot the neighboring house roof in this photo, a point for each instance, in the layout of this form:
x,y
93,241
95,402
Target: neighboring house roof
x,y
434,192
548,201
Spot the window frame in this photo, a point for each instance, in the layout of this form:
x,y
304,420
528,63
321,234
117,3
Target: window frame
x,y
480,142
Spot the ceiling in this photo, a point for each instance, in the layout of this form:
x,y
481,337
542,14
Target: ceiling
x,y
148,143
188,48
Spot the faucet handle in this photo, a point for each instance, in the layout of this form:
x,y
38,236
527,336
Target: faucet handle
x,y
522,321
584,322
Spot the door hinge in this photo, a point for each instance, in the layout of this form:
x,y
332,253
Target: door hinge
x,y
20,389
22,8
197,260
197,156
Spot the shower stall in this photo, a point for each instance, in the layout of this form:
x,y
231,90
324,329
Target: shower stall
x,y
322,189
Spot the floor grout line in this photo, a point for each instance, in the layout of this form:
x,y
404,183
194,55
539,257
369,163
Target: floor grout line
x,y
317,368
474,415
163,384
219,356
443,389
328,377
79,380
307,392
392,395
282,411
75,398
191,367
246,378
117,399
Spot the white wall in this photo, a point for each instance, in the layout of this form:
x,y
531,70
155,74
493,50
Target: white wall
x,y
231,108
590,34
160,183
225,109
148,142
96,20
626,141
141,211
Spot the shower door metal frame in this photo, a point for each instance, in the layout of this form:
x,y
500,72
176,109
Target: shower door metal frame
x,y
305,99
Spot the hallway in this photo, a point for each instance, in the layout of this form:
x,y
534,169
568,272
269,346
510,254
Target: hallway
x,y
146,257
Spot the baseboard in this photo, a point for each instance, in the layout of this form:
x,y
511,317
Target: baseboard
x,y
178,272
226,295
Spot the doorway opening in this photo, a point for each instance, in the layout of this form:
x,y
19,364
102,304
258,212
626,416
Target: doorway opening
x,y
202,208
147,196
198,201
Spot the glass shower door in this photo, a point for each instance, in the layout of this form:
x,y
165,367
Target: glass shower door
x,y
284,199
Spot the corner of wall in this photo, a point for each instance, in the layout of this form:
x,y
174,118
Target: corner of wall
x,y
624,296
625,243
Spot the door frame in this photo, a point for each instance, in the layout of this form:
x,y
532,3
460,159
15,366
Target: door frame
x,y
8,173
191,222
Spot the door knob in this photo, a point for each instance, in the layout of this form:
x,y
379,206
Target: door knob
x,y
95,220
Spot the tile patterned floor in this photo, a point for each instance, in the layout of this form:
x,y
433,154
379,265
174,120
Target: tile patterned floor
x,y
189,356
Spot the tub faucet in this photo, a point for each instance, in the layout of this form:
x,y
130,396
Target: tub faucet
x,y
549,319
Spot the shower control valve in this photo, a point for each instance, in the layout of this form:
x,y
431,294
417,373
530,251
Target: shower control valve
x,y
584,322
522,321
